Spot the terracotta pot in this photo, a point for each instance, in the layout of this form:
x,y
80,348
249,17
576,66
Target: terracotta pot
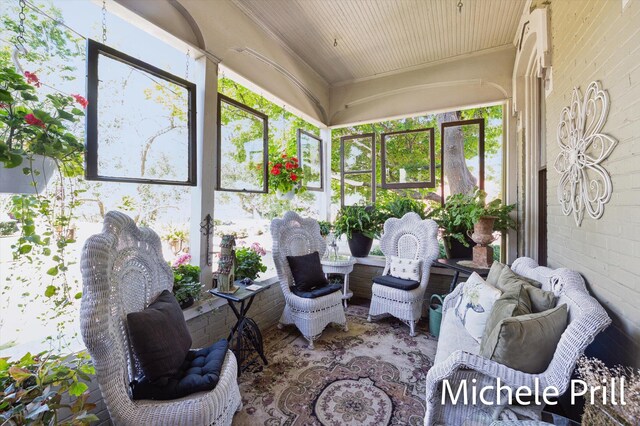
x,y
483,231
360,245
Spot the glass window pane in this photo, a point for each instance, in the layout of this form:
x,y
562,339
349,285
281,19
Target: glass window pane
x,y
143,131
357,188
357,153
463,151
310,153
242,147
408,159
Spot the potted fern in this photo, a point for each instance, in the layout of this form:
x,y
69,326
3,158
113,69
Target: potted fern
x,y
361,224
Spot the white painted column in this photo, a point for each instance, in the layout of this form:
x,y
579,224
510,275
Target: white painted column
x,y
510,174
202,200
325,135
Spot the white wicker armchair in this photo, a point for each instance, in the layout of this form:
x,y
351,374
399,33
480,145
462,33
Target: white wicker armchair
x,y
586,319
413,238
123,271
295,236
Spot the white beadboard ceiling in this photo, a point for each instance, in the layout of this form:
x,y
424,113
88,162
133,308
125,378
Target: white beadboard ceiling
x,y
377,37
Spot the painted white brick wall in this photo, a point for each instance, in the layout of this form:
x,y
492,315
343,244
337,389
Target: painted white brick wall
x,y
597,40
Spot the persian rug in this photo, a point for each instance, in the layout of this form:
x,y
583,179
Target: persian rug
x,y
374,374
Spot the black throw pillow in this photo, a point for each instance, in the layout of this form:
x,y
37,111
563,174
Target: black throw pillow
x,y
307,271
159,337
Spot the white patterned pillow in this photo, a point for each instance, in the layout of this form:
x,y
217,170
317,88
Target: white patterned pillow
x,y
475,304
407,269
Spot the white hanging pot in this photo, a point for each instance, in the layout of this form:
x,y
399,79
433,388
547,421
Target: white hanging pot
x,y
15,181
285,195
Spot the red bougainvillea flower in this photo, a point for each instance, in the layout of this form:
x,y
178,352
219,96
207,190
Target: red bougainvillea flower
x,y
290,166
275,171
278,165
32,120
32,78
81,100
294,159
284,155
293,177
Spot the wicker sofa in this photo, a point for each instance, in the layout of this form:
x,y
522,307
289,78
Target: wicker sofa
x,y
457,356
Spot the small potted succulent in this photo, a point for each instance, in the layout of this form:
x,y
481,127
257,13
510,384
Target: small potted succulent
x,y
361,224
186,281
249,262
285,176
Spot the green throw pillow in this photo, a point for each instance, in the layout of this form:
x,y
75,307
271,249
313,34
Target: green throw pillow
x,y
527,342
513,302
541,300
495,272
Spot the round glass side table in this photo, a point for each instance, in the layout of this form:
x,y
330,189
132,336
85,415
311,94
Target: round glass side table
x,y
342,265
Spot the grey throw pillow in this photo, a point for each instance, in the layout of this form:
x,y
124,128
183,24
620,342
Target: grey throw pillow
x,y
541,300
527,342
513,302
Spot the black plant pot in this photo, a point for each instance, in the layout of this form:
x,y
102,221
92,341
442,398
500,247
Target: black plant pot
x,y
360,245
187,303
456,250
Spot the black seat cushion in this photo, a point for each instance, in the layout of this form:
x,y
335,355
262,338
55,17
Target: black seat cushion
x,y
307,271
159,337
317,292
199,372
399,283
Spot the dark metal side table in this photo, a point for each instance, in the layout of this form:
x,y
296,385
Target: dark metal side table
x,y
454,264
245,338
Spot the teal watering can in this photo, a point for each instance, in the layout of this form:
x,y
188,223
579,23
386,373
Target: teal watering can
x,y
435,314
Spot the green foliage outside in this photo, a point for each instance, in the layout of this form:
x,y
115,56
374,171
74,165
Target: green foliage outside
x,y
411,152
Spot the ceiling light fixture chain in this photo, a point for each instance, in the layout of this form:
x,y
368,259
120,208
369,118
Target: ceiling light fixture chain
x,y
104,21
459,6
335,42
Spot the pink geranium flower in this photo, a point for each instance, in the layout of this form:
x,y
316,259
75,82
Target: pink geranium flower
x,y
183,259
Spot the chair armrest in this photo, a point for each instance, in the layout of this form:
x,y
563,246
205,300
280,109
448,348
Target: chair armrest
x,y
458,359
452,298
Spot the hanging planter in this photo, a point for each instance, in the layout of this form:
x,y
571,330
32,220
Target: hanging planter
x,y
285,175
285,195
39,171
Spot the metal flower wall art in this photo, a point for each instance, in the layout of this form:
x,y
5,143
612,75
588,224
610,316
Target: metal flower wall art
x,y
584,183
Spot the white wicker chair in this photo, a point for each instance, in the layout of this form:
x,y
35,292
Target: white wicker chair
x,y
586,319
295,236
413,238
123,271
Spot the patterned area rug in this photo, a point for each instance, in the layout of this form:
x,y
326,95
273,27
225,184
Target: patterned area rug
x,y
374,374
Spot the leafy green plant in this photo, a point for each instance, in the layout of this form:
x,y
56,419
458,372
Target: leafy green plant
x,y
36,388
8,228
399,206
461,211
186,279
366,220
325,228
249,262
28,129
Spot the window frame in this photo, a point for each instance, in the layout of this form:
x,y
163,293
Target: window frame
x,y
400,185
372,136
265,146
481,175
301,132
94,51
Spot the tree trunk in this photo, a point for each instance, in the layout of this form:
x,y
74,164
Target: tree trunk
x,y
456,172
